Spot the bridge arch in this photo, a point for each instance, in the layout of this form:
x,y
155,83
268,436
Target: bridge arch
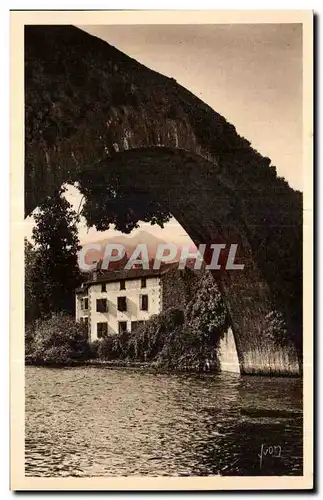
x,y
92,112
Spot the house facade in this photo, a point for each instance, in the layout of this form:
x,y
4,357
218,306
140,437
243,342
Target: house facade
x,y
121,300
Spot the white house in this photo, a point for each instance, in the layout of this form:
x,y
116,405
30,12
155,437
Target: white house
x,y
120,300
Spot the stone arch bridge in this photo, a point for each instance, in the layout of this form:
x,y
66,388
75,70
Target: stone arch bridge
x,y
95,116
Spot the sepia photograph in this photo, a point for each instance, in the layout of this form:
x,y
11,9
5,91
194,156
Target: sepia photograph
x,y
162,210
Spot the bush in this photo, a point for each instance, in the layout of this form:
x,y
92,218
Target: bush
x,y
150,339
94,349
59,340
29,337
120,345
56,355
194,346
178,340
106,349
183,350
177,348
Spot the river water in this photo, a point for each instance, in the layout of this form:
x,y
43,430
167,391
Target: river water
x,y
110,422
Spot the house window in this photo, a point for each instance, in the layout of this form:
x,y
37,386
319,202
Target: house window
x,y
143,282
135,325
122,303
103,287
122,284
101,305
84,304
122,326
144,302
102,330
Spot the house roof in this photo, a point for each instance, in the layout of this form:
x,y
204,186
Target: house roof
x,y
123,274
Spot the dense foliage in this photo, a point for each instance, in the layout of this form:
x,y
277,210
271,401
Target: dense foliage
x,y
206,315
118,204
176,339
51,270
31,297
58,340
194,344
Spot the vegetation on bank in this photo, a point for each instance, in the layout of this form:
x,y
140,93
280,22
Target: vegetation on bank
x,y
58,340
174,339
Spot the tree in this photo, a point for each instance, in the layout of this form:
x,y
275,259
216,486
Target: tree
x,y
31,304
206,314
122,202
56,244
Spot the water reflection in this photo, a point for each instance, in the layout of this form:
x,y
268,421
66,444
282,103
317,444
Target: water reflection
x,y
92,422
